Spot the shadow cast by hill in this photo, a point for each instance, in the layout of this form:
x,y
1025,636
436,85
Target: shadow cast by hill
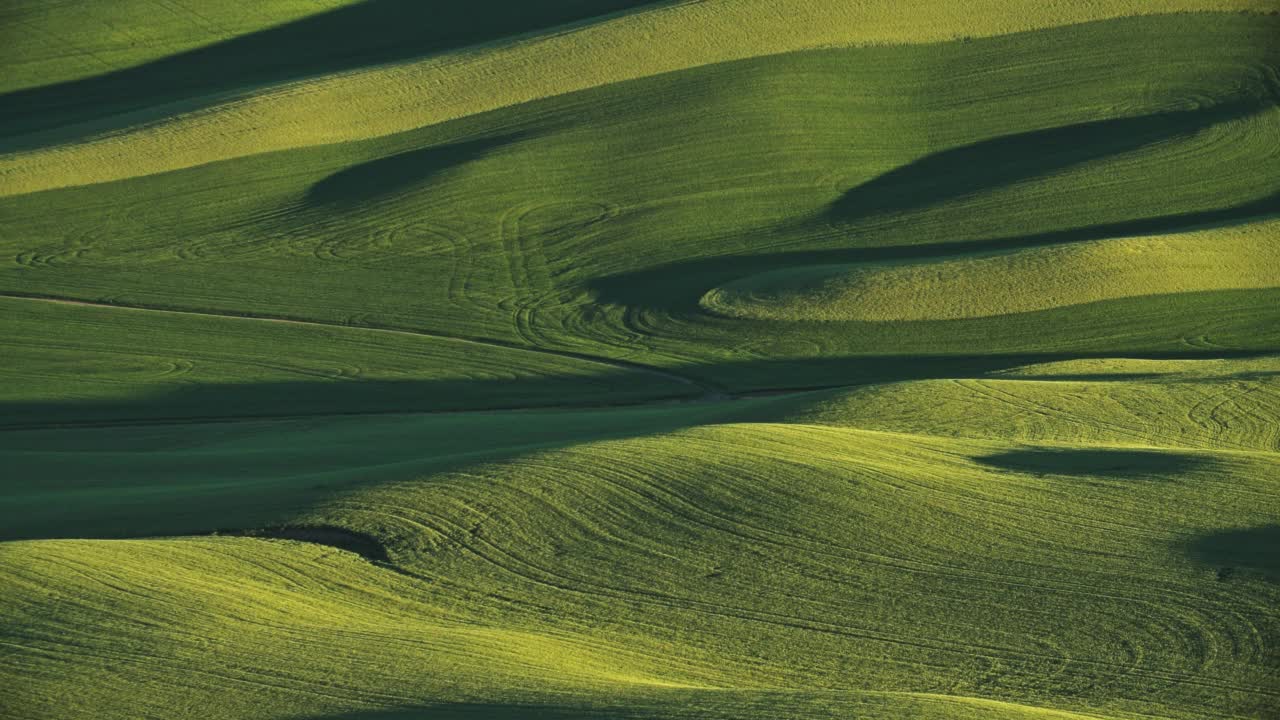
x,y
214,402
401,172
500,711
1254,548
366,546
1104,463
622,703
1007,160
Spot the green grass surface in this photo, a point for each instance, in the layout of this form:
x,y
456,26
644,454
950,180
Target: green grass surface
x,y
731,359
82,364
416,91
988,285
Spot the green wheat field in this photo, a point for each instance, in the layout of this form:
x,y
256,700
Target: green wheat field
x,y
576,359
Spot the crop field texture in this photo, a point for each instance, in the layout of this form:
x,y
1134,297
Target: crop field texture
x,y
574,359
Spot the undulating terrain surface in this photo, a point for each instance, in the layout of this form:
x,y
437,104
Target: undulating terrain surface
x,y
572,359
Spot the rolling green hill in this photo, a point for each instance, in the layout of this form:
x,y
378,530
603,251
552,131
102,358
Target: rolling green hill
x,y
727,359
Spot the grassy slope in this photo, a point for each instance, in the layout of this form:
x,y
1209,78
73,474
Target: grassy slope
x,y
1013,282
268,607
595,222
76,62
48,43
405,95
1187,404
1007,516
756,557
83,364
